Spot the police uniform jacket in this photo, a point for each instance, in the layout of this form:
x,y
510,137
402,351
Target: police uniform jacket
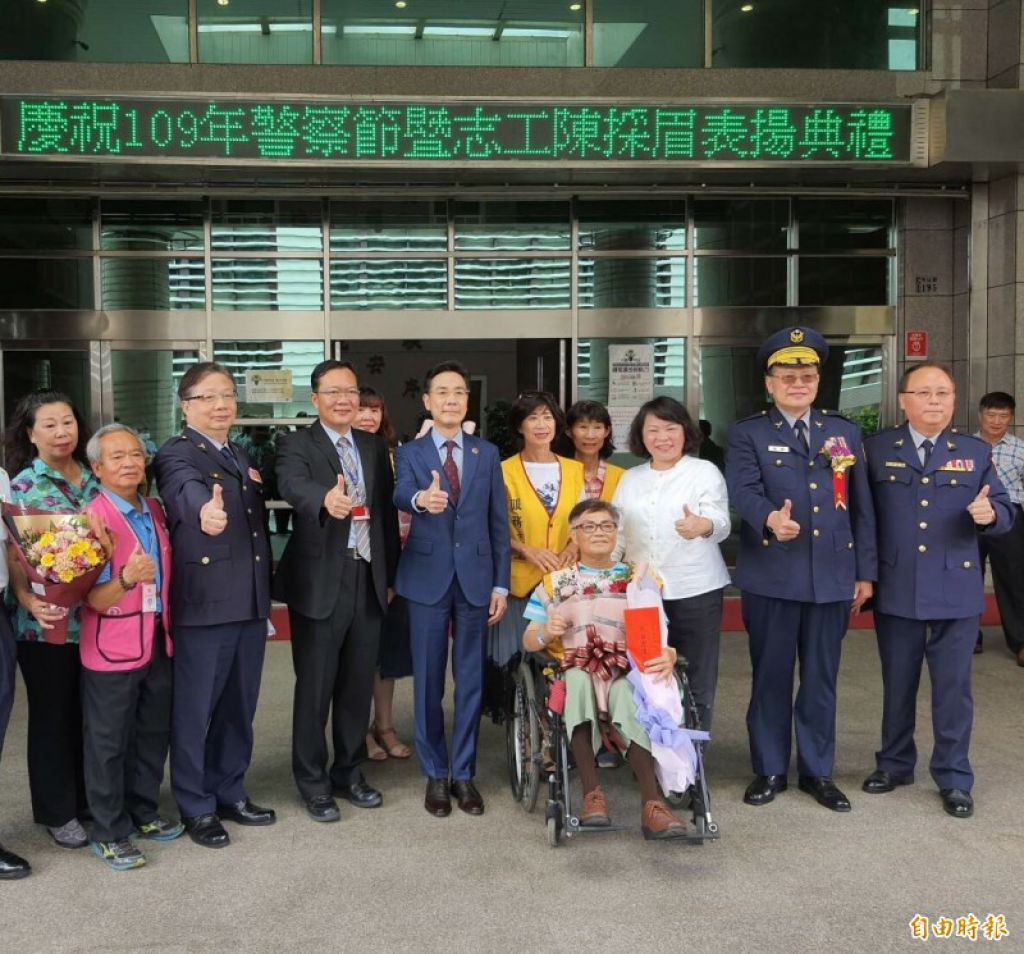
x,y
767,465
216,579
928,562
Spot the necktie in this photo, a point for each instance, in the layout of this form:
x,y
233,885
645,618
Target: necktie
x,y
229,458
451,471
801,432
360,533
926,451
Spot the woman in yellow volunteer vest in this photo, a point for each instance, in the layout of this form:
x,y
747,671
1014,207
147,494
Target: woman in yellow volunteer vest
x,y
542,488
589,426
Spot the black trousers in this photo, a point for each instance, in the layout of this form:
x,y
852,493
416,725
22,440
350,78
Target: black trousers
x,y
55,777
335,660
694,631
127,718
1006,555
8,660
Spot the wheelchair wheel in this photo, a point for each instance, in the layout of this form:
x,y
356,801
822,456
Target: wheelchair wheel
x,y
554,827
522,740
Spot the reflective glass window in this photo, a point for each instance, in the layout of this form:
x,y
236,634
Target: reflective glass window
x,y
96,31
259,225
141,226
818,34
512,283
245,360
387,283
844,281
719,281
145,387
453,33
741,225
632,282
648,33
46,283
835,225
265,284
511,226
45,223
255,31
153,283
632,225
389,226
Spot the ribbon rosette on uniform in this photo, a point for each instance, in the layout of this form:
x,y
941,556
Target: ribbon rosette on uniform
x,y
841,459
61,554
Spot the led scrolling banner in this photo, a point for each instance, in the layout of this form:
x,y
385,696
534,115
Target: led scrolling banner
x,y
423,133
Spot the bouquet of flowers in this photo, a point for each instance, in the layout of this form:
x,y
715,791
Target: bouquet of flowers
x,y
61,553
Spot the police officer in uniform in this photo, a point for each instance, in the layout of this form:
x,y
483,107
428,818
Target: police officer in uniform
x,y
935,490
220,606
798,478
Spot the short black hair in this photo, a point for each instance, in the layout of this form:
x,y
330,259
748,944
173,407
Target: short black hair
x,y
593,506
530,401
197,373
457,367
592,411
997,401
329,365
911,368
665,409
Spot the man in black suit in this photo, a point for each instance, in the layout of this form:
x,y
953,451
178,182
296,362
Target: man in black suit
x,y
220,605
336,575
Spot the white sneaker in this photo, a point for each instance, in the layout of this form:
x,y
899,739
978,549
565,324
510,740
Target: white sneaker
x,y
69,835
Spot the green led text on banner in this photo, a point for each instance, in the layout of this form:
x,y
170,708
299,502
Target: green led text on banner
x,y
455,132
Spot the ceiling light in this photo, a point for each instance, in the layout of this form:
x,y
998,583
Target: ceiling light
x,y
913,12
401,4
747,8
223,3
575,6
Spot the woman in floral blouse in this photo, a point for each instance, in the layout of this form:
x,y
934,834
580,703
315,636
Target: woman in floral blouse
x,y
45,450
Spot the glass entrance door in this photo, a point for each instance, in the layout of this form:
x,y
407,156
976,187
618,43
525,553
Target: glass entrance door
x,y
29,365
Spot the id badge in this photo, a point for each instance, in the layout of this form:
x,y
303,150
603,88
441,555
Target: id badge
x,y
148,597
360,513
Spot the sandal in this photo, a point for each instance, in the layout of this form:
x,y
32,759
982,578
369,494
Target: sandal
x,y
392,745
373,751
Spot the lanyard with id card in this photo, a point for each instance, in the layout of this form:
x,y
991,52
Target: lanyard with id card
x,y
149,590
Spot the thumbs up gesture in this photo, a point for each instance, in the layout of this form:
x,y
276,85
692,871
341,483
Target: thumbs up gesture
x,y
980,508
782,524
433,499
140,568
692,525
213,517
336,502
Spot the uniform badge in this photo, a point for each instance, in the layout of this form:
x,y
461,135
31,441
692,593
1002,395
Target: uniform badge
x,y
474,450
796,336
895,463
254,476
778,449
960,465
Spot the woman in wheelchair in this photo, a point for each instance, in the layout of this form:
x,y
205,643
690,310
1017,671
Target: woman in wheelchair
x,y
576,616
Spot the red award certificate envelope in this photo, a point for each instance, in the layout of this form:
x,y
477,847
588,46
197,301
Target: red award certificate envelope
x,y
643,634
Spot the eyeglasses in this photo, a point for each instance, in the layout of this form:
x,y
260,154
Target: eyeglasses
x,y
332,394
442,394
943,394
792,377
605,526
208,400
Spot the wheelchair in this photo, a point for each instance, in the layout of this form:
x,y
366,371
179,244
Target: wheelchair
x,y
537,746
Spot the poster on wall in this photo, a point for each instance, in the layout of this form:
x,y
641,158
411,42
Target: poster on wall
x,y
263,386
630,374
622,417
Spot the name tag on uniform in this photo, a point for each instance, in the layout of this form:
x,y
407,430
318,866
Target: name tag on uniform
x,y
778,449
895,463
148,597
360,513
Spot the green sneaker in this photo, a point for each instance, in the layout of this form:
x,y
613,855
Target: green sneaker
x,y
160,829
119,855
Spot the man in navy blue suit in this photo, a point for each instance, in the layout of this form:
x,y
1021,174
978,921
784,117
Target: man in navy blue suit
x,y
454,573
935,491
220,604
797,477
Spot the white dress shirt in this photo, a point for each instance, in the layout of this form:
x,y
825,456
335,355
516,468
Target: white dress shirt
x,y
651,501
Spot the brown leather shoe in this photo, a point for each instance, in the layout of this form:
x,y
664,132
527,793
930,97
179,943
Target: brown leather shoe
x,y
437,800
658,823
595,809
468,797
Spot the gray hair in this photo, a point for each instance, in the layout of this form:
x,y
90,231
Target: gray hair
x,y
93,450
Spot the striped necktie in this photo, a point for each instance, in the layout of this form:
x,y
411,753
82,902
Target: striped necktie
x,y
354,488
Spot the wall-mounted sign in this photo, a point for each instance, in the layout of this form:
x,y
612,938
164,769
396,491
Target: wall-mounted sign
x,y
916,345
232,130
630,374
263,386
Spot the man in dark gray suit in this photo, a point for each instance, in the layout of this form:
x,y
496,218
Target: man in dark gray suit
x,y
336,575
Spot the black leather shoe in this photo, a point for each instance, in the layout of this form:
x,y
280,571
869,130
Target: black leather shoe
x,y
13,866
323,808
437,801
764,788
879,782
246,813
957,803
825,792
468,797
206,830
360,794
979,646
